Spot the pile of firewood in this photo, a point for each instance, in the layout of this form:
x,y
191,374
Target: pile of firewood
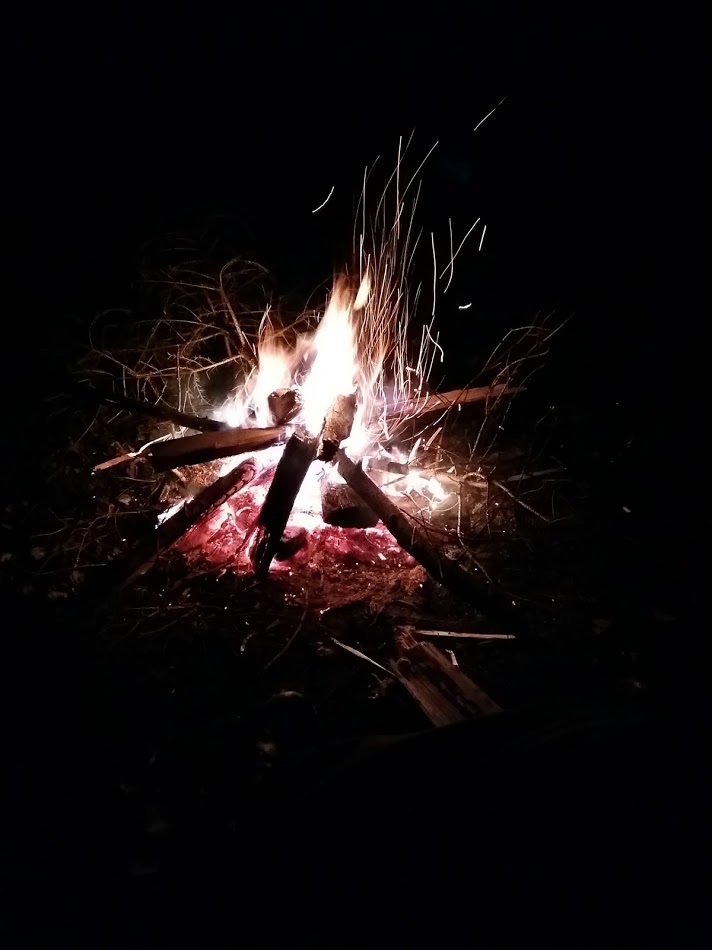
x,y
358,502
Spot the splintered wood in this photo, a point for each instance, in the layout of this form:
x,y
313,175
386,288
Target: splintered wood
x,y
443,692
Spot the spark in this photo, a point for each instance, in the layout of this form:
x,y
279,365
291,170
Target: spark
x,y
482,121
482,239
435,270
465,306
451,265
319,207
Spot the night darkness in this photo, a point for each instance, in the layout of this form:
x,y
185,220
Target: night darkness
x,y
126,126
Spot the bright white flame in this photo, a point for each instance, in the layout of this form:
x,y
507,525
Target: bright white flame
x,y
335,368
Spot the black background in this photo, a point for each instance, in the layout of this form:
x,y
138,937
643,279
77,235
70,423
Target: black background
x,y
127,123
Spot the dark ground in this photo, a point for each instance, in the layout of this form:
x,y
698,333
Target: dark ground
x,y
133,765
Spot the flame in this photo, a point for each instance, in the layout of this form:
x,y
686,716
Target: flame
x,y
360,347
335,368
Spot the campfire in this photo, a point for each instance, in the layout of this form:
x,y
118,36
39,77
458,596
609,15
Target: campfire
x,y
310,466
322,454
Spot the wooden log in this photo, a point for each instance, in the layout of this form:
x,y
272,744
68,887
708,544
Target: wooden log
x,y
444,693
299,453
413,539
208,446
153,410
337,426
192,512
441,402
341,506
284,404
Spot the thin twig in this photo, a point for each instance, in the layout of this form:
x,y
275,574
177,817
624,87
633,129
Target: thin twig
x,y
293,637
465,636
519,501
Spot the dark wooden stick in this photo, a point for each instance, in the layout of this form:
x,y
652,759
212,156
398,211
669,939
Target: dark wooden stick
x,y
208,446
413,539
299,453
154,410
171,531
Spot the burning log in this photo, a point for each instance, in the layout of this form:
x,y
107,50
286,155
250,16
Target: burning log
x,y
337,426
299,453
441,402
172,530
341,506
413,539
284,404
209,446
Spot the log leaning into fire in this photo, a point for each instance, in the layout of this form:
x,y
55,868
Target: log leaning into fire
x,y
152,410
415,542
171,531
208,446
441,402
299,453
337,426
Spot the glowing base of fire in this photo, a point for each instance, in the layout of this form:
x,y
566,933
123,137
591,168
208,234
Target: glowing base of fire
x,y
328,565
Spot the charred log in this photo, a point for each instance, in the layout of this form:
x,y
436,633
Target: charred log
x,y
292,541
415,542
208,446
298,455
341,506
171,531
